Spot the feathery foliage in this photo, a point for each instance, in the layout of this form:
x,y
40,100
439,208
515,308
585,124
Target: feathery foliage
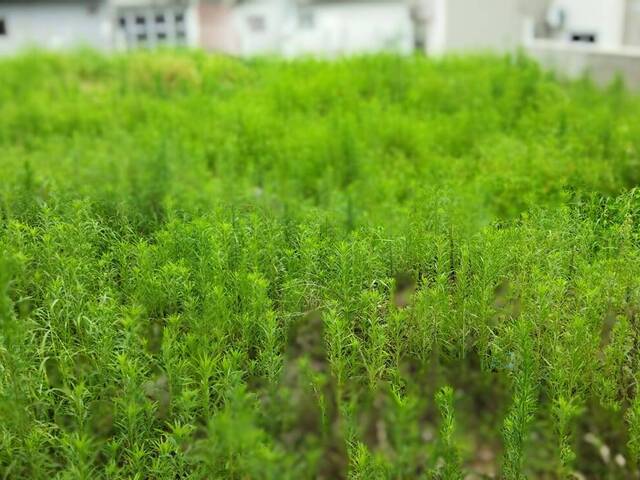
x,y
214,268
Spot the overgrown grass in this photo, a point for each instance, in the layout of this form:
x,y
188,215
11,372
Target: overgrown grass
x,y
378,267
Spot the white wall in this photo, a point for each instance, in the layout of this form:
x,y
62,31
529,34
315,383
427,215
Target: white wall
x,y
605,18
348,28
51,25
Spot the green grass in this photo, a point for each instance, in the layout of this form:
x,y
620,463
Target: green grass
x,y
378,267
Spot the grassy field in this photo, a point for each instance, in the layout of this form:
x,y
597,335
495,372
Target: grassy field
x,y
375,268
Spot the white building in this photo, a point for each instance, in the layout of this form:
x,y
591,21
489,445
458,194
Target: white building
x,y
55,25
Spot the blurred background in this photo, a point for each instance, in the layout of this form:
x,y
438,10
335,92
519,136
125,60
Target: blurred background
x,y
572,36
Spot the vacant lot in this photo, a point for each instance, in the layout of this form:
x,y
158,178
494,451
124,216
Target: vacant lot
x,y
373,268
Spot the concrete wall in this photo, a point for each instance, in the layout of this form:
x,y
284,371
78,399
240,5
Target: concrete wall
x,y
61,25
334,29
601,64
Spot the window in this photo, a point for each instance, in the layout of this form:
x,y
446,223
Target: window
x,y
256,23
583,37
306,20
152,27
3,27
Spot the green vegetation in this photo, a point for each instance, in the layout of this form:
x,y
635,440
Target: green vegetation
x,y
368,269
